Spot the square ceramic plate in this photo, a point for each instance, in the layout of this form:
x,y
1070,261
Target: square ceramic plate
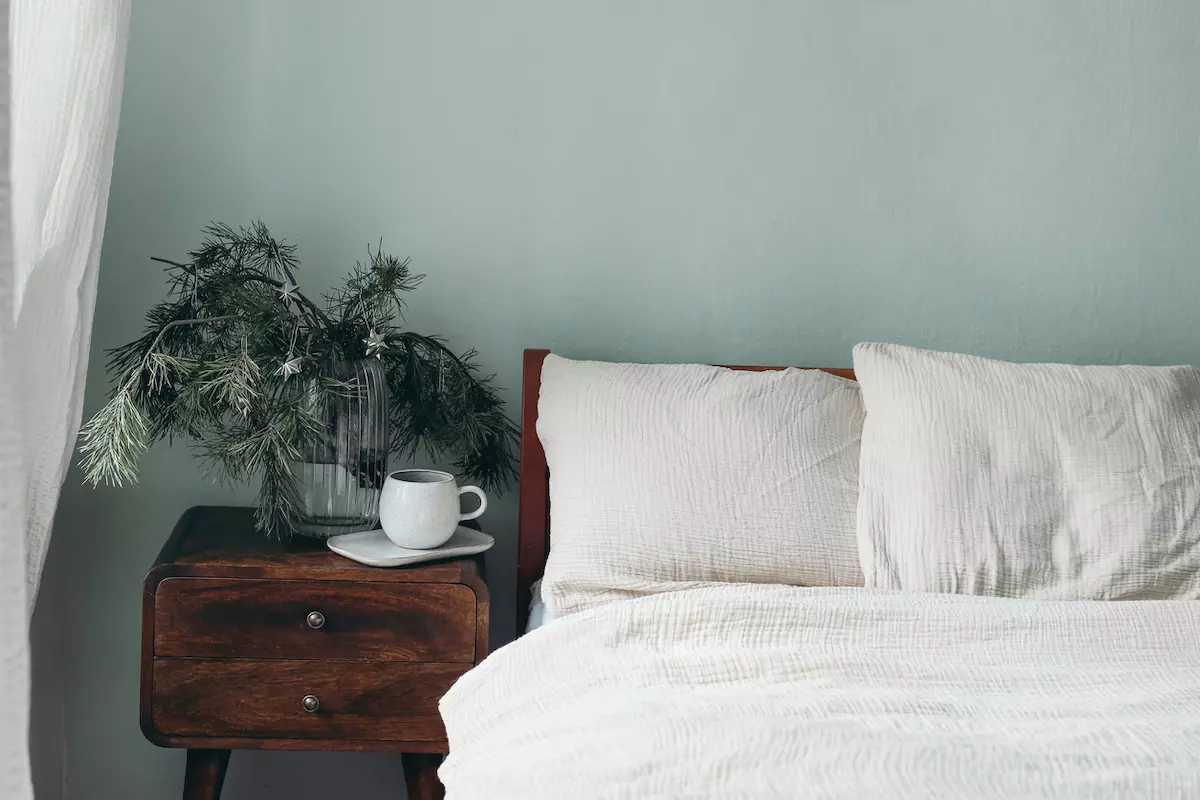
x,y
374,549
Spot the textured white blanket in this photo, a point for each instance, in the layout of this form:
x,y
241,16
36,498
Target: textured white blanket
x,y
764,691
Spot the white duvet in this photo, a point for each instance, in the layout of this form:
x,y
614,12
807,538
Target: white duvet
x,y
768,691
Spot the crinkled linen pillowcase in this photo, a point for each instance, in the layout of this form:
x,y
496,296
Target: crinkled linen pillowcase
x,y
977,477
1046,481
663,476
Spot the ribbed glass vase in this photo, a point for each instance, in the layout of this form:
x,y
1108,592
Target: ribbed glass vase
x,y
340,478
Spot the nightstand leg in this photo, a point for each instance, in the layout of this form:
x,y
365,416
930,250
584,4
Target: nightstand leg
x,y
205,774
420,776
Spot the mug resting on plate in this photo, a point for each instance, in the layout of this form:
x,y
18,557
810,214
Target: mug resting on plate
x,y
419,508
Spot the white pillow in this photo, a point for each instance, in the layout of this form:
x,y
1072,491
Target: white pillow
x,y
1032,480
662,476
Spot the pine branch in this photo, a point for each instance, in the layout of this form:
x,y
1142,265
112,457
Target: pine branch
x,y
123,360
207,367
113,442
165,371
373,294
305,305
279,501
151,351
274,449
231,384
440,404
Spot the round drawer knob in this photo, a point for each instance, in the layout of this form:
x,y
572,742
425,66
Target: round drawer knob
x,y
315,619
310,703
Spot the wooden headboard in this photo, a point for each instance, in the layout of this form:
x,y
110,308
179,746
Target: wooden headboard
x,y
533,522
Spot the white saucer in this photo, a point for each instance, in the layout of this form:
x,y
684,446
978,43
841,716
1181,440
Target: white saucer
x,y
374,549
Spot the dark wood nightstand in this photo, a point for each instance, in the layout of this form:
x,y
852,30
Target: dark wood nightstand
x,y
251,643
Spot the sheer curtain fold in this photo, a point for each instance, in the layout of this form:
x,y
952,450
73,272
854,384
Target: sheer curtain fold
x,y
68,62
61,71
15,779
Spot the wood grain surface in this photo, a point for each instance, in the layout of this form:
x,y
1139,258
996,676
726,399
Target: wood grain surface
x,y
263,699
220,541
246,618
228,655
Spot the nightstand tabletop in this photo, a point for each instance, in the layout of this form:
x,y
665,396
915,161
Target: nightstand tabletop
x,y
221,540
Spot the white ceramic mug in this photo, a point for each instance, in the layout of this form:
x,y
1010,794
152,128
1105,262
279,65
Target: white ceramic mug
x,y
419,508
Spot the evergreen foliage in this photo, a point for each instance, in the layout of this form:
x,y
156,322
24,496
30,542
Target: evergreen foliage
x,y
231,358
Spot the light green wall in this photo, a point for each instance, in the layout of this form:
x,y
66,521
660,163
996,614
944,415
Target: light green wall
x,y
710,180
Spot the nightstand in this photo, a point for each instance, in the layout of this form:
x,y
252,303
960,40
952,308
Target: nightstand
x,y
254,643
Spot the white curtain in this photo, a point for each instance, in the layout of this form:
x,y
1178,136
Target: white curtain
x,y
61,71
68,69
14,639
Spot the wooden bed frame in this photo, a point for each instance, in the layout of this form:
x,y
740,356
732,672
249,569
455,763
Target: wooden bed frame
x,y
533,522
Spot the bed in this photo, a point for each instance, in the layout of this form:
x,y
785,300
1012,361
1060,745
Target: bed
x,y
731,689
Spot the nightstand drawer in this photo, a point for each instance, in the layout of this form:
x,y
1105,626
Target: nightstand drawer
x,y
318,620
266,699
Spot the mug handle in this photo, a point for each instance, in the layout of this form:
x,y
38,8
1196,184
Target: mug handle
x,y
482,502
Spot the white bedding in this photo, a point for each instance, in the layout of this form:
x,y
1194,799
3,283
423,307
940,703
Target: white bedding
x,y
770,691
539,615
